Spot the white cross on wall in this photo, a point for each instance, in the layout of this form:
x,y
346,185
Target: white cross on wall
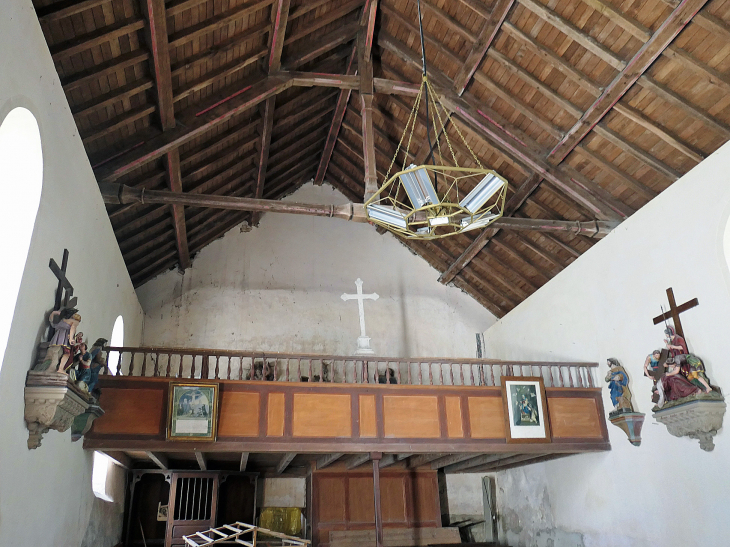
x,y
363,341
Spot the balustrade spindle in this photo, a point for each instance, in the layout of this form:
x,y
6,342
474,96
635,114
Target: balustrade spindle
x,y
471,371
397,368
288,379
228,374
167,373
217,360
309,367
143,372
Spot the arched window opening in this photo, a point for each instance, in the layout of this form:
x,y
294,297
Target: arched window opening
x,y
21,180
101,475
117,340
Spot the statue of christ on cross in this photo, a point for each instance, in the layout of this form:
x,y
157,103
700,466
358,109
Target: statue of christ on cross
x,y
363,341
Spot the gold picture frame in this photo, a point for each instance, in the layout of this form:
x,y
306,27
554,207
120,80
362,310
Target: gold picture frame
x,y
192,411
525,409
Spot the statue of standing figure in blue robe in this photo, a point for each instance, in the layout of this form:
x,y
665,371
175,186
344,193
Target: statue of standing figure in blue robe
x,y
618,385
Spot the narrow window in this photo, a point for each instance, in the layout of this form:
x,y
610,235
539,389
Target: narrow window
x,y
116,341
100,475
21,180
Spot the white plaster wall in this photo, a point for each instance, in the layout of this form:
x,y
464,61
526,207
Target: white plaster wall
x,y
278,287
285,492
45,494
667,491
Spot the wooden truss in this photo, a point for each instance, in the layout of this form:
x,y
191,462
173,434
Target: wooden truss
x,y
236,532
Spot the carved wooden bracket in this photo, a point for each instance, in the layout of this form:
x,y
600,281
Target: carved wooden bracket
x,y
51,402
698,419
630,423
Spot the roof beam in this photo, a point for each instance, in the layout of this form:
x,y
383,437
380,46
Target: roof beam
x,y
486,36
156,32
279,18
366,90
160,460
337,117
319,47
65,50
513,204
222,108
357,460
327,460
591,196
202,461
286,459
641,61
217,22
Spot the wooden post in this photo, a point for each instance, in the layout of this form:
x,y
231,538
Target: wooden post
x,y
365,68
376,456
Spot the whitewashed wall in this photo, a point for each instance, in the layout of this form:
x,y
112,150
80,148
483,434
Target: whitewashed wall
x,y
45,494
667,491
278,287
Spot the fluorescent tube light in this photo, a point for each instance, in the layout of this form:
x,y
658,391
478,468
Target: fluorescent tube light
x,y
438,221
488,186
387,215
467,224
419,188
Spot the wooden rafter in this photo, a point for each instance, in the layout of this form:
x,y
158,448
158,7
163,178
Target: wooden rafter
x,y
514,203
334,131
629,74
156,30
279,18
366,90
481,45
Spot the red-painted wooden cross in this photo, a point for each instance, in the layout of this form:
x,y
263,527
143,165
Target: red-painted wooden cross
x,y
674,312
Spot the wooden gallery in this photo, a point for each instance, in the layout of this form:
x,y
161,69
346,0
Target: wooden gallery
x,y
343,273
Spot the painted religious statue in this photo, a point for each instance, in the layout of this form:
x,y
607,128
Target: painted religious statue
x,y
623,415
618,385
686,401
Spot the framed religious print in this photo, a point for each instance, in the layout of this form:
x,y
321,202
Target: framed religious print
x,y
525,409
193,411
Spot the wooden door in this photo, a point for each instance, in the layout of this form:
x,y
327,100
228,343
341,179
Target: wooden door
x,y
193,505
344,501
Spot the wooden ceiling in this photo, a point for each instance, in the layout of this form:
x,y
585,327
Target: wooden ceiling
x,y
589,108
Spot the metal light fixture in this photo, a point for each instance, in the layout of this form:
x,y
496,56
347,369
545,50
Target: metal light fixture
x,y
418,186
486,188
386,215
425,201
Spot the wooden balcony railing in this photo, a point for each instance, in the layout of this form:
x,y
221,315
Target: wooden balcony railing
x,y
290,367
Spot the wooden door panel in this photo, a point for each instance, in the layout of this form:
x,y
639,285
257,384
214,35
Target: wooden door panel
x,y
331,500
361,500
393,500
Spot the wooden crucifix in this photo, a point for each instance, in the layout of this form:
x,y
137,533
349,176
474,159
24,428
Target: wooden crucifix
x,y
67,300
65,291
674,312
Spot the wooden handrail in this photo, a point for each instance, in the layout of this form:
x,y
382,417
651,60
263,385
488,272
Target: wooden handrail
x,y
191,363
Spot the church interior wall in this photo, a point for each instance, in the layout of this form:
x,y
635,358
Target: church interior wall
x,y
667,491
278,288
46,494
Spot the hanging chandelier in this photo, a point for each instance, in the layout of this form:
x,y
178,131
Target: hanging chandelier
x,y
431,201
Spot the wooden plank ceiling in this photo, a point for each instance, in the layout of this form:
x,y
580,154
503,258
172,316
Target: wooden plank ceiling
x,y
589,108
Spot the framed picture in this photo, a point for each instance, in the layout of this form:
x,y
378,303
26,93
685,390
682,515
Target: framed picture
x,y
193,411
525,409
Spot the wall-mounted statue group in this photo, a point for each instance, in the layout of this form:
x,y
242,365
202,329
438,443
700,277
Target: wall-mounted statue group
x,y
61,389
67,351
677,374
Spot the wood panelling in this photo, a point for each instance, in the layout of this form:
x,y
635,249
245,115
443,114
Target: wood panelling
x,y
360,500
132,411
239,414
275,415
411,416
331,500
486,415
368,417
317,415
344,418
454,424
574,418
343,500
